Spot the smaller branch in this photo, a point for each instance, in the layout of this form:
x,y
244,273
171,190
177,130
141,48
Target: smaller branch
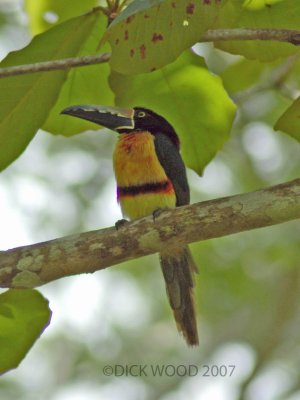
x,y
54,65
275,79
282,35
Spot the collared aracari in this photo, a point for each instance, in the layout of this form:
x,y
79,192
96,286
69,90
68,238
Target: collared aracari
x,y
151,175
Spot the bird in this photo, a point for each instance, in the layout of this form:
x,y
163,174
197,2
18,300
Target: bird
x,y
151,176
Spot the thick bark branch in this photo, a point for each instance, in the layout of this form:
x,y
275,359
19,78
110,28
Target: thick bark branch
x,y
213,35
40,263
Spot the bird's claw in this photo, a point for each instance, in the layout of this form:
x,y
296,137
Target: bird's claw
x,y
121,223
156,213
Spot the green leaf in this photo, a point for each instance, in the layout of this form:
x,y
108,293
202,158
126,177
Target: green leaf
x,y
88,85
283,15
258,4
150,34
190,97
234,81
289,122
43,14
26,100
24,314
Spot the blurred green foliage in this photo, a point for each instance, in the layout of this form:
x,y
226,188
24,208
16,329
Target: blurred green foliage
x,y
46,13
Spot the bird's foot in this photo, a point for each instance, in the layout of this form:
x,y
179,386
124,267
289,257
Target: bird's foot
x,y
121,223
156,213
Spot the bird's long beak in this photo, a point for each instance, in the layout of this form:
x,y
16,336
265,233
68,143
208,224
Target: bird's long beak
x,y
117,119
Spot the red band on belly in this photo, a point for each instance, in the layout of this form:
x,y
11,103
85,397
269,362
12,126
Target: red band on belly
x,y
155,187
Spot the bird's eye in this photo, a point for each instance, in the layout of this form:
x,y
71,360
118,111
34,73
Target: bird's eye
x,y
141,114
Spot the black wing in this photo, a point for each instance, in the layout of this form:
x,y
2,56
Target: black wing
x,y
171,161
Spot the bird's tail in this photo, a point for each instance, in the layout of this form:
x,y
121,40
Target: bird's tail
x,y
178,267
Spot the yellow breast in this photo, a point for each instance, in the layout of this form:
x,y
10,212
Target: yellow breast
x,y
135,165
135,160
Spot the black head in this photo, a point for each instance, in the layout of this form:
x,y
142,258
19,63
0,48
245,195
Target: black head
x,y
148,120
124,120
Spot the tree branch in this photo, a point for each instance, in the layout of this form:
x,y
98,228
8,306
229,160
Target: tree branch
x,y
282,35
40,263
54,65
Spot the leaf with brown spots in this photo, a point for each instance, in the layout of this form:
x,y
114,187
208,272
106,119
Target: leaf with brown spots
x,y
150,34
